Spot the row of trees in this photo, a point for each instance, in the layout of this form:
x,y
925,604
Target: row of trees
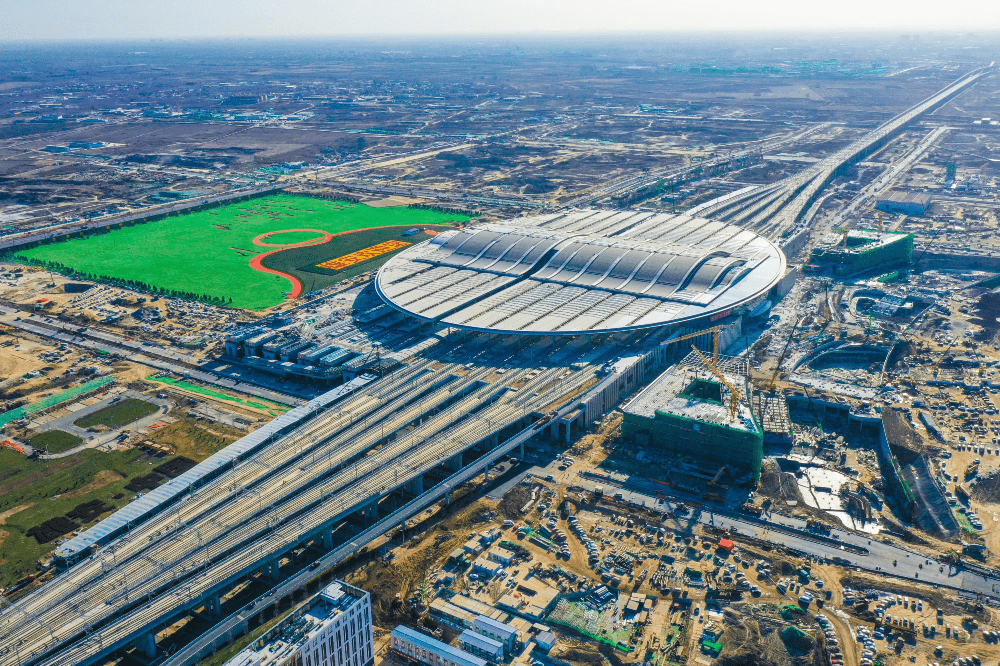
x,y
134,285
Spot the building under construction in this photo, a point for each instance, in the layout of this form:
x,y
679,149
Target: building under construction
x,y
861,250
700,412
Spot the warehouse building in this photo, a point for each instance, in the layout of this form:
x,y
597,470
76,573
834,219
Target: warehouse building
x,y
690,412
862,250
908,203
334,628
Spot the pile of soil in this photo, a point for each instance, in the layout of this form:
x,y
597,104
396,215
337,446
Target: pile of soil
x,y
987,311
88,511
987,490
147,482
175,467
52,529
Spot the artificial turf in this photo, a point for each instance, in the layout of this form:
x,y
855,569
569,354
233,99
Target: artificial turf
x,y
208,252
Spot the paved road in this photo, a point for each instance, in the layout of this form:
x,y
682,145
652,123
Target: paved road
x,y
45,327
92,440
870,554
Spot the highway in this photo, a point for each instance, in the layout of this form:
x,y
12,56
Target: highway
x,y
863,551
340,461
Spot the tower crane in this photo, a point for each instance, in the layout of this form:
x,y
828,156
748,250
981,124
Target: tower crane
x,y
943,354
715,330
735,396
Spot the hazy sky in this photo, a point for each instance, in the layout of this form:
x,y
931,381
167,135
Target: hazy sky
x,y
130,19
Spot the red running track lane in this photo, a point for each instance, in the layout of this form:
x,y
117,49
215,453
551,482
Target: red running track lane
x,y
296,291
256,264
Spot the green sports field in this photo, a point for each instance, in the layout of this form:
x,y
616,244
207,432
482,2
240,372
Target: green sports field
x,y
209,252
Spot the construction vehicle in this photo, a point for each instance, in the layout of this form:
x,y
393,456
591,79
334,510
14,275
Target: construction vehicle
x,y
735,397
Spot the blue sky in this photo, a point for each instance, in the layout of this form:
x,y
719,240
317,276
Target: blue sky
x,y
130,19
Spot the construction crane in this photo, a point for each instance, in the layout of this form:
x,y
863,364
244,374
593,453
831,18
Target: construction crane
x,y
979,358
718,475
941,358
781,357
715,330
735,396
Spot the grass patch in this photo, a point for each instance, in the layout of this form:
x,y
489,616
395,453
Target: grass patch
x,y
207,252
56,488
257,403
191,441
55,441
118,414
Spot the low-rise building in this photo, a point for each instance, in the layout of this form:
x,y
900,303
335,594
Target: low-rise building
x,y
500,555
482,646
502,632
422,649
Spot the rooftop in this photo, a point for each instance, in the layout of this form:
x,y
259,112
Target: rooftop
x,y
586,271
690,390
285,638
437,646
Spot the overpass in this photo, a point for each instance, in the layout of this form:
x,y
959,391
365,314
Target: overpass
x,y
776,210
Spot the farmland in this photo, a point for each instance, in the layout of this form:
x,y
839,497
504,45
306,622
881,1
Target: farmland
x,y
119,414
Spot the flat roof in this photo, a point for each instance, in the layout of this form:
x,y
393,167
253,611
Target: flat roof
x,y
587,271
438,647
484,643
288,636
669,394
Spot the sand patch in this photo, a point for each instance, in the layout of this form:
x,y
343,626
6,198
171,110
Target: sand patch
x,y
10,512
392,201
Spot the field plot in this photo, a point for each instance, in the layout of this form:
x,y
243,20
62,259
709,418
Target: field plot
x,y
34,492
215,254
119,414
55,441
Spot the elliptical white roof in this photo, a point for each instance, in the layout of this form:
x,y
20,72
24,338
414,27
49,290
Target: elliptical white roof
x,y
582,272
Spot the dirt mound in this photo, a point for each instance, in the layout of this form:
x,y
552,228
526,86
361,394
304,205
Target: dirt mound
x,y
52,529
510,505
175,467
987,490
987,311
778,485
147,482
88,511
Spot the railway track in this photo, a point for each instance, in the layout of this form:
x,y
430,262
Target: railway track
x,y
187,555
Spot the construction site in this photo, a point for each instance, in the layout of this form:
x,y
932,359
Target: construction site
x,y
462,365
